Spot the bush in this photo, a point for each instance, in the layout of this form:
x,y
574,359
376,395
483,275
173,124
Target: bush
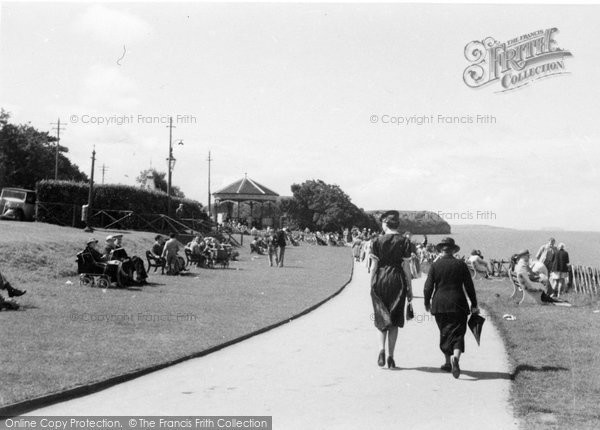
x,y
61,202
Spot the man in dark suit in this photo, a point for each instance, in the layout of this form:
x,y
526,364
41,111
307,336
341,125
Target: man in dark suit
x,y
280,243
445,282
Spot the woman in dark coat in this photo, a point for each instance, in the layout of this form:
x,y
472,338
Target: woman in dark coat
x,y
389,287
447,281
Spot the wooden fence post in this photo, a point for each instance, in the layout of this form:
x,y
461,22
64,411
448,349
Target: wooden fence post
x,y
588,279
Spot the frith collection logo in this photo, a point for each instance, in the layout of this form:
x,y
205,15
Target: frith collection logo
x,y
515,63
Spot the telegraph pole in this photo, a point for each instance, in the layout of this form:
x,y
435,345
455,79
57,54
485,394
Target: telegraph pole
x,y
169,161
88,227
57,148
104,169
209,159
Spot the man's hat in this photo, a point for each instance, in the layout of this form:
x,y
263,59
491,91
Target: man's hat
x,y
91,240
115,236
390,216
109,237
447,242
522,253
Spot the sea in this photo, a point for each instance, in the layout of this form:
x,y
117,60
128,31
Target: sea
x,y
500,243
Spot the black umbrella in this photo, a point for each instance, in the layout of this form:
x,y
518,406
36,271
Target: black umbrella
x,y
475,325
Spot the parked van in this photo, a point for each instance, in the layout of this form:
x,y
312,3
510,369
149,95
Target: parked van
x,y
17,204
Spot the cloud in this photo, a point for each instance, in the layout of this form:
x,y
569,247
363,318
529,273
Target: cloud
x,y
108,89
112,26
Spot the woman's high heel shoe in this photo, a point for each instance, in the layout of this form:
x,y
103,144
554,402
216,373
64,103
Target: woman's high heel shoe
x,y
381,359
391,363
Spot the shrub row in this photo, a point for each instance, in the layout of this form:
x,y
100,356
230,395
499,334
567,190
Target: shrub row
x,y
109,197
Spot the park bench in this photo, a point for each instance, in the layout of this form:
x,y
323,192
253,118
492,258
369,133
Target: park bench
x,y
475,274
535,295
156,262
192,258
219,256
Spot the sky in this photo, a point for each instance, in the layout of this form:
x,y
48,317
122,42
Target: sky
x,y
290,92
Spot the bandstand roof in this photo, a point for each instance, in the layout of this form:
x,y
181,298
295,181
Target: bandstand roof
x,y
245,189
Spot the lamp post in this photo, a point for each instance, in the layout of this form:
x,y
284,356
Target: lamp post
x,y
170,166
88,227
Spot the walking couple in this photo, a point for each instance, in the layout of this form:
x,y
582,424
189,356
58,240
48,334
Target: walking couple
x,y
444,294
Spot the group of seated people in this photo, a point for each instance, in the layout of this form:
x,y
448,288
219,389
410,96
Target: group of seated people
x,y
201,250
532,276
550,270
113,251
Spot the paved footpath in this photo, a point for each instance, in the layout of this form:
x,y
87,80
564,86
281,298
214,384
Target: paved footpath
x,y
320,372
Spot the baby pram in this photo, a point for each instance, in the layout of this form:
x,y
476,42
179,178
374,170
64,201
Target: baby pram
x,y
101,275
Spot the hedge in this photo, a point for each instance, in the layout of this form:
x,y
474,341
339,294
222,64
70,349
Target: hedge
x,y
70,196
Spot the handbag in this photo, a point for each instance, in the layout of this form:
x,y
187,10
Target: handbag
x,y
410,313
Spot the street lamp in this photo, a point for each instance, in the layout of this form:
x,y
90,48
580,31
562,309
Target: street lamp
x,y
170,164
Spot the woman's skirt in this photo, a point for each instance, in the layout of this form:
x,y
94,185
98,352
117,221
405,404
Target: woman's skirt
x,y
388,293
453,327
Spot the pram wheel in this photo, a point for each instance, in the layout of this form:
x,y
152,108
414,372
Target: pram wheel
x,y
86,280
103,283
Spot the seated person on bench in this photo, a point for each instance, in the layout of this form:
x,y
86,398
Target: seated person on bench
x,y
527,277
130,264
109,247
159,245
479,264
90,260
258,245
12,292
196,246
91,247
157,249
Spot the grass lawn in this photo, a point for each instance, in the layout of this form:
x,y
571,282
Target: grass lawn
x,y
65,335
554,356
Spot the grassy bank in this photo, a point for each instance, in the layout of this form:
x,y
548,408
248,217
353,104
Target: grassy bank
x,y
553,353
66,335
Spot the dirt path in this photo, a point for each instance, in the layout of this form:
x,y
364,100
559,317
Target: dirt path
x,y
320,372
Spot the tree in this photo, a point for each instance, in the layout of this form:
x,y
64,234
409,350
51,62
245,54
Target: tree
x,y
28,155
160,183
321,206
